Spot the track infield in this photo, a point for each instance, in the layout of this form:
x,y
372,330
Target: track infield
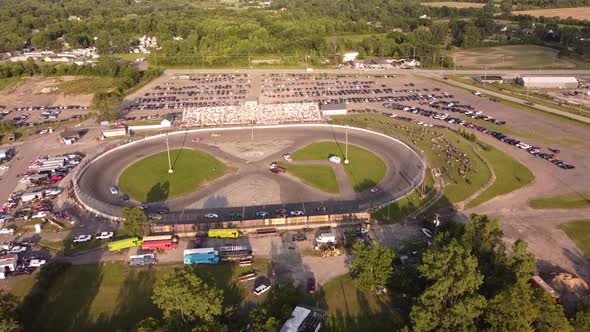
x,y
321,177
148,180
365,169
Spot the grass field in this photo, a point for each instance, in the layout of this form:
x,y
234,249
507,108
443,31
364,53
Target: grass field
x,y
148,180
510,56
86,85
567,201
11,82
321,177
452,4
114,297
579,232
579,13
510,175
351,308
364,171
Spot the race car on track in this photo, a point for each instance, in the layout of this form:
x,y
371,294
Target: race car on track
x,y
275,168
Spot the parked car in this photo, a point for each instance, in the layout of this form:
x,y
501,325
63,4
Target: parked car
x,y
37,262
261,289
6,230
311,285
211,216
375,189
17,249
104,235
297,213
299,237
114,190
82,238
124,197
262,214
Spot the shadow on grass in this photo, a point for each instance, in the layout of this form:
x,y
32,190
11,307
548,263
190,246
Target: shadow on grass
x,y
159,192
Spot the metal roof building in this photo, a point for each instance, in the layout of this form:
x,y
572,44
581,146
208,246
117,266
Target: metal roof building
x,y
548,82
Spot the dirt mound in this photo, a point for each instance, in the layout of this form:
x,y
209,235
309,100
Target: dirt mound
x,y
571,288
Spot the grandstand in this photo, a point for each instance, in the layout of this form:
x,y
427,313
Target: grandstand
x,y
249,113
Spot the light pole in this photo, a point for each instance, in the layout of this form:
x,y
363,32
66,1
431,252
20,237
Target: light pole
x,y
346,147
170,170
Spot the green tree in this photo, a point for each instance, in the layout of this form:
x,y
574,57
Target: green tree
x,y
581,320
373,265
135,221
107,105
450,302
512,309
182,294
261,321
8,305
506,7
470,36
551,317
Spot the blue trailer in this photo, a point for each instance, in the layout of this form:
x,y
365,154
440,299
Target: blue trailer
x,y
201,256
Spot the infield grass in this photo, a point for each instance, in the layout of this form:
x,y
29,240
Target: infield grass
x,y
148,180
579,232
566,201
321,177
365,169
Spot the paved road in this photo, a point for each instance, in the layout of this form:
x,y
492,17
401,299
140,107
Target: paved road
x,y
405,170
513,72
513,99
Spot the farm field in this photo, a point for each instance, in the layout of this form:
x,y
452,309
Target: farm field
x,y
511,56
579,13
364,171
148,180
452,4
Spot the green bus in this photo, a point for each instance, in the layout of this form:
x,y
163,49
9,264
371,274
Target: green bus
x,y
124,244
231,233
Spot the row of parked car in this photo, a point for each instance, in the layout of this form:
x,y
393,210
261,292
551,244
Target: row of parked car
x,y
534,150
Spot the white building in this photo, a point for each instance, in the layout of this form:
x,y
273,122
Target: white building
x,y
349,56
548,82
8,262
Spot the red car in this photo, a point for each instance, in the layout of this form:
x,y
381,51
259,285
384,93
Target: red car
x,y
56,178
375,189
281,212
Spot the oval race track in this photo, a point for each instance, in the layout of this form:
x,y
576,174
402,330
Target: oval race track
x,y
405,170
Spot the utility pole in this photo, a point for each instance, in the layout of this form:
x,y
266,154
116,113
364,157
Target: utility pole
x,y
170,170
346,148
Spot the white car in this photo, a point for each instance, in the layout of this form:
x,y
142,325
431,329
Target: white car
x,y
104,235
114,190
40,214
6,230
17,249
82,238
261,289
211,216
297,213
37,262
427,232
53,191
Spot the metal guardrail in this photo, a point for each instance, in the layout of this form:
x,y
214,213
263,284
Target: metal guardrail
x,y
113,212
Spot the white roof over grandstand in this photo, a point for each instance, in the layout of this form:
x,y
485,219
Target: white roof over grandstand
x,y
549,79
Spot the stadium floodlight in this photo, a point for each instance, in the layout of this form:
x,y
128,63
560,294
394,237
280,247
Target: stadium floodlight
x,y
170,170
346,147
